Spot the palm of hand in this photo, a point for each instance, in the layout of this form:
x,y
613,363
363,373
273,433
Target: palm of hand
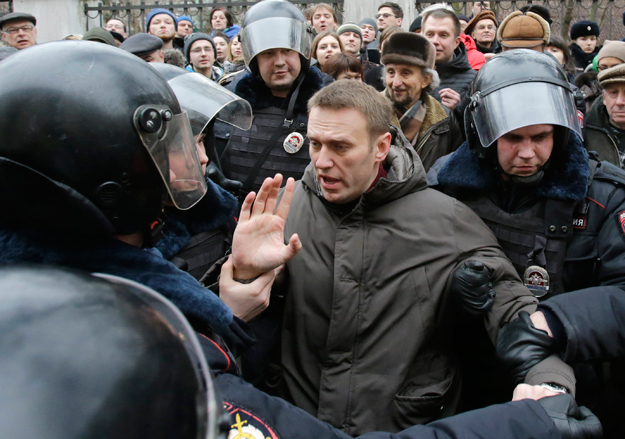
x,y
258,244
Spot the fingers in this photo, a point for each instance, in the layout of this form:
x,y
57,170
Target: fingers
x,y
287,197
290,250
270,186
227,270
246,206
272,200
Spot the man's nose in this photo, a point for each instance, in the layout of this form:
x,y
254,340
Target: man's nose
x,y
526,149
324,159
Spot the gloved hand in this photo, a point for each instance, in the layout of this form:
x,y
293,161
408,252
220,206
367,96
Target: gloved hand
x,y
472,288
520,346
215,174
572,422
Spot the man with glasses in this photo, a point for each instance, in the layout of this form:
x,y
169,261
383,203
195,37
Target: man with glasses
x,y
389,14
200,50
18,30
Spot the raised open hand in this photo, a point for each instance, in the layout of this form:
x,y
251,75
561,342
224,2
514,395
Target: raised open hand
x,y
258,242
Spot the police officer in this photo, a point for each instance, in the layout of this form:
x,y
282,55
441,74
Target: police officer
x,y
102,356
276,42
559,216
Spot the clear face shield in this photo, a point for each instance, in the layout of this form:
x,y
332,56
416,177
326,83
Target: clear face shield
x,y
206,400
169,141
204,100
275,32
520,105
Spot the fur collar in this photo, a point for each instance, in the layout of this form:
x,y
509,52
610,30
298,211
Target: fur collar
x,y
107,255
254,90
216,210
565,179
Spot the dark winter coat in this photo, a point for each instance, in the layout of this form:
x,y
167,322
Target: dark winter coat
x,y
581,58
365,343
597,135
456,74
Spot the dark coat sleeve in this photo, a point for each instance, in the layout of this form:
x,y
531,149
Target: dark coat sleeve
x,y
593,320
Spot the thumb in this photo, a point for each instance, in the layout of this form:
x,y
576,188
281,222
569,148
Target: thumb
x,y
290,250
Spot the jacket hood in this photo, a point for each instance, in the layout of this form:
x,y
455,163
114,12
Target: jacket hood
x,y
254,90
459,63
405,174
565,179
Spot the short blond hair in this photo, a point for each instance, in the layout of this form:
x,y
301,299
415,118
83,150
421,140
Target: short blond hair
x,y
356,95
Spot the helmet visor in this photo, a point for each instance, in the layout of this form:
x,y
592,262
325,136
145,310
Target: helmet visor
x,y
521,105
275,33
206,400
175,154
203,100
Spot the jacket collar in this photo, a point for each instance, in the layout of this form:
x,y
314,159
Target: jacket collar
x,y
566,178
459,63
254,90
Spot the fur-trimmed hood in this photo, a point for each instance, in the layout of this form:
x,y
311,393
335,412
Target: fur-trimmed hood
x,y
253,90
216,210
565,179
108,255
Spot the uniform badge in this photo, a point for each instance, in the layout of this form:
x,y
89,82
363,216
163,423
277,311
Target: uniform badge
x,y
293,143
580,118
536,279
620,220
246,425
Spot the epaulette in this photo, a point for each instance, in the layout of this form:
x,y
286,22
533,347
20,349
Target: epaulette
x,y
608,171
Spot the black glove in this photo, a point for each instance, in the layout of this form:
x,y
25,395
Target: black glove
x,y
472,288
215,174
520,346
572,422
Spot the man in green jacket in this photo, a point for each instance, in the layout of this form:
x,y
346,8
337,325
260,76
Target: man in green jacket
x,y
368,319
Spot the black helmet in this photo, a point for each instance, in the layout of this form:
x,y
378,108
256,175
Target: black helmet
x,y
515,89
91,141
86,356
273,24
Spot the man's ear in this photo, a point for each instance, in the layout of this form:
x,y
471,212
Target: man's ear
x,y
458,40
399,21
382,146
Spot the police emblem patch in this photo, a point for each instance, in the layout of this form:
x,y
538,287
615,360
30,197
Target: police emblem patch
x,y
620,220
536,279
245,425
293,143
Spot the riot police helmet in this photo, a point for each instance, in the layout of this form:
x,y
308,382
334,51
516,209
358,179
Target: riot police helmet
x,y
98,356
275,24
92,140
515,89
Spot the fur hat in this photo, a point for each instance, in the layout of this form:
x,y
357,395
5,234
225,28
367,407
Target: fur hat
x,y
485,14
409,48
612,75
584,28
540,10
615,49
523,30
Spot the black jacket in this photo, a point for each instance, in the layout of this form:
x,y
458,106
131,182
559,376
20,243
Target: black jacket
x,y
456,74
597,134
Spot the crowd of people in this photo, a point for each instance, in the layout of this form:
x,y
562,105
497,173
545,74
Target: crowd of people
x,y
301,228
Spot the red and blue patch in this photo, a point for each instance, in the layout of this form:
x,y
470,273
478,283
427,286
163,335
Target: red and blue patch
x,y
620,220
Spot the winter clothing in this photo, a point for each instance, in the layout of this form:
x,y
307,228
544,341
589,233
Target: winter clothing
x,y
612,48
600,135
350,27
439,133
100,35
365,329
370,22
456,74
523,30
189,40
613,75
242,148
581,58
416,24
411,49
230,32
475,57
584,28
158,11
483,15
142,44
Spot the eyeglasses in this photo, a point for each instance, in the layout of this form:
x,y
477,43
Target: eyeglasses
x,y
385,15
14,30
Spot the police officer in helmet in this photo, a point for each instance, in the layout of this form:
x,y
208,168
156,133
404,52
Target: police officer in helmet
x,y
276,42
525,172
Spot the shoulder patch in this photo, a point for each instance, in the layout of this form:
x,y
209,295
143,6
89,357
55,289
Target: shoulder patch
x,y
620,220
246,425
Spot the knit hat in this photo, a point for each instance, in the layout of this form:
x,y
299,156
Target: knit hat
x,y
612,48
584,28
409,48
100,35
371,22
612,75
158,11
350,27
522,30
190,39
142,44
485,14
185,18
540,10
416,24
